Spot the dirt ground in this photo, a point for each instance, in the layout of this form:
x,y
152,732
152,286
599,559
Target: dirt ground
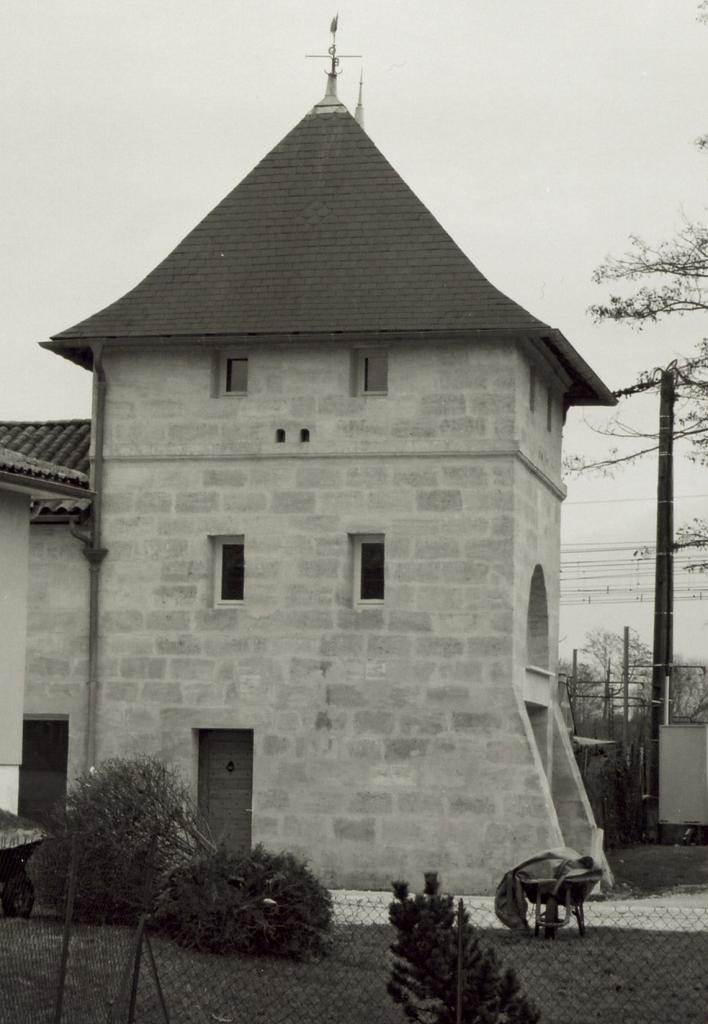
x,y
653,869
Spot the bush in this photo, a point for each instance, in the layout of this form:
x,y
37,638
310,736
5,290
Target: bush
x,y
424,975
125,816
251,903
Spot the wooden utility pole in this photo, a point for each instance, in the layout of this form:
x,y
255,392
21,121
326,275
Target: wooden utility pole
x,y
625,694
663,587
574,677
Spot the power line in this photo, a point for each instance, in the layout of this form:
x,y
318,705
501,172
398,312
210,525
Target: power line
x,y
621,572
609,545
639,599
617,501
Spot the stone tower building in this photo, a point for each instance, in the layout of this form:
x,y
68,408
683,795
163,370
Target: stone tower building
x,y
325,540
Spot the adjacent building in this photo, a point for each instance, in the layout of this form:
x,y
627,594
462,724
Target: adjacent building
x,y
23,480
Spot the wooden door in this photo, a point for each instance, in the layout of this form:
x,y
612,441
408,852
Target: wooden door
x,y
45,750
226,784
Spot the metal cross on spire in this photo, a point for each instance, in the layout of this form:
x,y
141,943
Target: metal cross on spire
x,y
332,51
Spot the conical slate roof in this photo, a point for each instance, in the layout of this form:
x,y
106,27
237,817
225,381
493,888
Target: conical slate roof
x,y
323,235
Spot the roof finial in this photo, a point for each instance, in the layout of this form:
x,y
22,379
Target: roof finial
x,y
359,112
331,93
333,48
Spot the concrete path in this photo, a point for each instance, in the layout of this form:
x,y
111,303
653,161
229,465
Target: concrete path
x,y
678,911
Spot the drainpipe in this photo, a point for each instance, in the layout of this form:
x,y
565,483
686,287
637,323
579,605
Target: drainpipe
x,y
92,550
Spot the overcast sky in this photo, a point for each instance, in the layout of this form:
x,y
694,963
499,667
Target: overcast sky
x,y
541,135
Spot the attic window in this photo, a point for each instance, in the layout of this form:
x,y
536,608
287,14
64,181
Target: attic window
x,y
373,373
235,375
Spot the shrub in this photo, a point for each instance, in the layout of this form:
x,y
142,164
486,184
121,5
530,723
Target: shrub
x,y
424,974
125,816
251,903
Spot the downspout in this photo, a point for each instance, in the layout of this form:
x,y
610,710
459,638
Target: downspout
x,y
93,552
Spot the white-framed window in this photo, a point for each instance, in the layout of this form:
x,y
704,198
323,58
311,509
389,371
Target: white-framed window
x,y
373,372
229,569
369,550
233,374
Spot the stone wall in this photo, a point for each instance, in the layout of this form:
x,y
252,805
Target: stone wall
x,y
57,652
14,512
388,739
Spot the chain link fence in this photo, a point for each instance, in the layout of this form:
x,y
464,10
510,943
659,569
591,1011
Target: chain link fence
x,y
638,962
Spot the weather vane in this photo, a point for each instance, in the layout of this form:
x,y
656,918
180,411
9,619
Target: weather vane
x,y
332,52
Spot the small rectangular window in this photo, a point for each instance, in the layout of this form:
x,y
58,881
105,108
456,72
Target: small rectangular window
x,y
549,410
369,568
532,388
229,569
236,375
374,373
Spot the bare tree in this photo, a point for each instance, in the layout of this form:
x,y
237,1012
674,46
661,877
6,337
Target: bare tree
x,y
676,269
668,278
689,692
604,657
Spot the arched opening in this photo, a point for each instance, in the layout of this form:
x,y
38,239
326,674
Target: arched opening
x,y
537,622
304,434
280,436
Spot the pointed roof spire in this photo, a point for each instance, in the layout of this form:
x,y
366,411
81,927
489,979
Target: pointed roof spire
x,y
331,102
359,112
333,47
331,90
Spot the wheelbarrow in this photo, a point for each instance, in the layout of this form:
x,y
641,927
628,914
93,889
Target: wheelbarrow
x,y
17,845
555,883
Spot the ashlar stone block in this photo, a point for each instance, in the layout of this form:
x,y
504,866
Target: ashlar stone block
x,y
355,829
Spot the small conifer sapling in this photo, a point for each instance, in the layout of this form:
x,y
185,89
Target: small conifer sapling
x,y
424,974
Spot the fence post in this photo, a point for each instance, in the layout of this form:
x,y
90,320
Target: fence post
x,y
137,956
146,912
68,914
458,1013
156,978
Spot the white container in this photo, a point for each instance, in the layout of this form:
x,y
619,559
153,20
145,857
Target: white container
x,y
683,774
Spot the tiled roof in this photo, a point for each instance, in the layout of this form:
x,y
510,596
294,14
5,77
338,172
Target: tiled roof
x,y
60,442
322,236
25,466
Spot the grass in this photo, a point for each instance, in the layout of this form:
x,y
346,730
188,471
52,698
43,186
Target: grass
x,y
651,869
612,975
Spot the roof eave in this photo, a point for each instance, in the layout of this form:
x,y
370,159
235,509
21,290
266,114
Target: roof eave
x,y
81,354
587,388
38,488
80,349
